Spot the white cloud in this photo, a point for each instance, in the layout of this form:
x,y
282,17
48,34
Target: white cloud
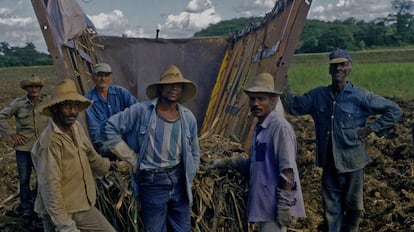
x,y
113,23
366,10
199,14
19,30
254,8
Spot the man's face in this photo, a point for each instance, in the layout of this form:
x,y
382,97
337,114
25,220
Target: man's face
x,y
33,91
171,92
102,80
340,72
66,113
261,104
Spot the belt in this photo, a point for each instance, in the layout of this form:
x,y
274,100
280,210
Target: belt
x,y
160,170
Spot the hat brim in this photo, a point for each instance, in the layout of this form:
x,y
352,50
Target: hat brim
x,y
187,94
46,109
338,60
261,90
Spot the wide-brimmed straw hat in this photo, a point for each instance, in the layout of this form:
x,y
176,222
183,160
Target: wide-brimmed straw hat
x,y
32,81
262,83
64,91
173,75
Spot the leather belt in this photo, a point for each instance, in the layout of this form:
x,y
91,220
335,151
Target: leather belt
x,y
160,170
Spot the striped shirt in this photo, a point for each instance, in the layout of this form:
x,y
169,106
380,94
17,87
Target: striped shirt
x,y
164,145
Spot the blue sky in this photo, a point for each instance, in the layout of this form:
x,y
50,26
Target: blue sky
x,y
174,18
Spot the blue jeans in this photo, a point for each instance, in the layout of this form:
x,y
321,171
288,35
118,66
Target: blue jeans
x,y
164,201
342,199
24,169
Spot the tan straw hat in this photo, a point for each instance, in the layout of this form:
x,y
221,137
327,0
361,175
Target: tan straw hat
x,y
64,91
262,83
172,75
32,81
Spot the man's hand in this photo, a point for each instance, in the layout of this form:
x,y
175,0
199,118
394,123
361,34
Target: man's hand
x,y
364,132
283,216
18,139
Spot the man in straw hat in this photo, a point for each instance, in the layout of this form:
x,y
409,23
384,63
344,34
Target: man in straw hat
x,y
274,194
340,112
107,100
165,153
66,164
29,125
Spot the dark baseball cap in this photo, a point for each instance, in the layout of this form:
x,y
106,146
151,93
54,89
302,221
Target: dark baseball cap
x,y
339,56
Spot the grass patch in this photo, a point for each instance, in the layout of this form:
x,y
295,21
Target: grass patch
x,y
387,73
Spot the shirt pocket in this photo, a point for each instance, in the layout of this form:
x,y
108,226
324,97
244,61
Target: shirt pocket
x,y
260,152
350,116
322,114
350,120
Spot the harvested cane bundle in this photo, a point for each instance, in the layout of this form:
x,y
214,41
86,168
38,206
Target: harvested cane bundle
x,y
116,200
219,195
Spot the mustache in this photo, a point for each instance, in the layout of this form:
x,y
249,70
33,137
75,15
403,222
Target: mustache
x,y
71,115
254,108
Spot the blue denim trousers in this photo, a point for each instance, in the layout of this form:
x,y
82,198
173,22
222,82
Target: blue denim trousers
x,y
164,201
24,169
342,199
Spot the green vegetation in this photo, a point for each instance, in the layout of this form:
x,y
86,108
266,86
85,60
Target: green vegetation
x,y
226,27
22,56
386,72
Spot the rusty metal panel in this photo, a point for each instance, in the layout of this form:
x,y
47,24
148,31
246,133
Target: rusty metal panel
x,y
267,46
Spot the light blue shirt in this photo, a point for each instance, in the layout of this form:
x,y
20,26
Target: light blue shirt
x,y
98,113
272,151
135,123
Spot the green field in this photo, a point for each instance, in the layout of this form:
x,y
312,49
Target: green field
x,y
388,72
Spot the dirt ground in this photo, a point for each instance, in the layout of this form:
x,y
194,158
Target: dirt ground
x,y
389,180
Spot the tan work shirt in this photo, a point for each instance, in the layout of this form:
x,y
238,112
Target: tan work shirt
x,y
65,171
29,122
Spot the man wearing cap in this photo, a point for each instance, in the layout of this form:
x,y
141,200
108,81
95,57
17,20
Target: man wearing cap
x,y
107,100
66,165
340,112
29,124
274,194
165,152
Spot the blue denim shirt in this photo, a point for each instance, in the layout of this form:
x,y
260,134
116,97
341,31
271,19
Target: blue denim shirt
x,y
98,113
135,123
340,118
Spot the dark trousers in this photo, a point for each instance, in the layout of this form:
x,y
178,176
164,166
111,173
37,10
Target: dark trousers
x,y
342,199
164,201
24,169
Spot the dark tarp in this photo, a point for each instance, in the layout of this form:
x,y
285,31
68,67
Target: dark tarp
x,y
138,62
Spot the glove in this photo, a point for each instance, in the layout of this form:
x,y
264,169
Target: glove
x,y
364,132
224,163
114,166
124,152
283,216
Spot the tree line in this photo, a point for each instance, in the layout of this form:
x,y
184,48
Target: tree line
x,y
11,56
396,29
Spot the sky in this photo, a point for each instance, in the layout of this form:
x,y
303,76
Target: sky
x,y
174,18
